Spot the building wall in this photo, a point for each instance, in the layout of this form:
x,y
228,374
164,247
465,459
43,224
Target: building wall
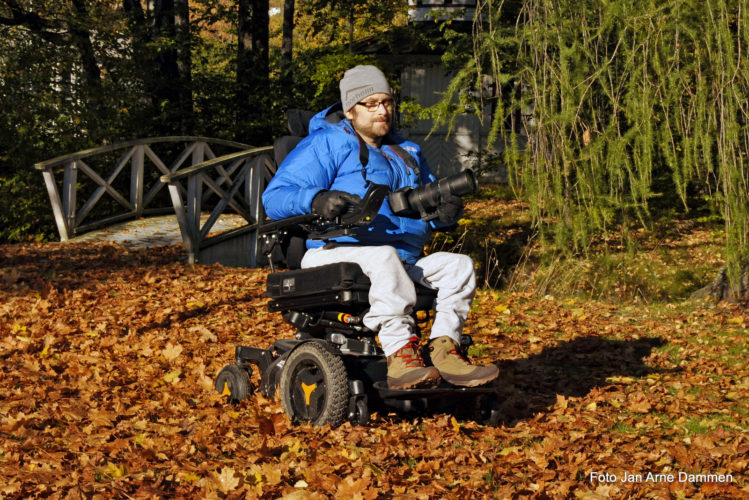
x,y
446,153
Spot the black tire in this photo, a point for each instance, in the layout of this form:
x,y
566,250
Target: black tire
x,y
362,412
314,386
233,382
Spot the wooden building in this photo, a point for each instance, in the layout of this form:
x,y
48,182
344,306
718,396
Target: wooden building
x,y
424,80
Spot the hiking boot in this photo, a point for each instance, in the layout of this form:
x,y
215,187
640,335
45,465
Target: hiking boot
x,y
455,368
406,369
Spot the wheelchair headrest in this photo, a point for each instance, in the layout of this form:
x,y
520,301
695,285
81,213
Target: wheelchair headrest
x,y
298,121
298,124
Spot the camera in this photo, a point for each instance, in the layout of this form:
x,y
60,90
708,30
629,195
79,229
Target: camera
x,y
423,201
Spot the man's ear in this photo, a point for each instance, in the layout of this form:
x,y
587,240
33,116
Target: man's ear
x,y
349,114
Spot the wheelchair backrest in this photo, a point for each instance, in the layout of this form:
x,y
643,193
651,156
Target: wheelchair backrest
x,y
294,244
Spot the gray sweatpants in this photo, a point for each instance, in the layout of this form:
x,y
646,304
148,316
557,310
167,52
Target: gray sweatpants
x,y
392,294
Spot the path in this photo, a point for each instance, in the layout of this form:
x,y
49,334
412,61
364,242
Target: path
x,y
154,231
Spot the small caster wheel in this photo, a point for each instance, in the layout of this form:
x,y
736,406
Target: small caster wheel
x,y
361,415
233,382
314,386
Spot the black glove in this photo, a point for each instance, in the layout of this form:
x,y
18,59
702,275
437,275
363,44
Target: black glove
x,y
331,204
449,208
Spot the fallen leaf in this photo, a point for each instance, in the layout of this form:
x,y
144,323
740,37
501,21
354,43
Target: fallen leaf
x,y
227,480
171,351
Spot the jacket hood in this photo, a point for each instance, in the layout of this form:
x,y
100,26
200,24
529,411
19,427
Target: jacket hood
x,y
327,118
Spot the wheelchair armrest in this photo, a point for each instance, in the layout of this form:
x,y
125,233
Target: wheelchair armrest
x,y
277,225
319,228
313,227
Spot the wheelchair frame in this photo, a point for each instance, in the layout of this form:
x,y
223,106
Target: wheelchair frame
x,y
333,370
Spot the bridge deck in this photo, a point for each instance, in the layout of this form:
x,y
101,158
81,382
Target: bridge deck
x,y
154,231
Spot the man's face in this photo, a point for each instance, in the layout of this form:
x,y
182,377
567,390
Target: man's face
x,y
372,117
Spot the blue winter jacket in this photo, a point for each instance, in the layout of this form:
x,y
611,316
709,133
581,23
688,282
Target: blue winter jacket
x,y
328,158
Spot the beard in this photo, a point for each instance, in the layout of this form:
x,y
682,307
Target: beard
x,y
376,127
383,126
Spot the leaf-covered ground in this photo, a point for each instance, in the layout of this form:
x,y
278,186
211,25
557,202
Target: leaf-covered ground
x,y
107,360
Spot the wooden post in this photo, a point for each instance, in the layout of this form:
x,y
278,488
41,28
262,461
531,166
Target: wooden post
x,y
57,209
194,192
181,213
136,181
198,154
69,182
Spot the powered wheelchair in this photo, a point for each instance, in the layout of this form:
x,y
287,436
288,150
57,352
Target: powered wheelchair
x,y
334,370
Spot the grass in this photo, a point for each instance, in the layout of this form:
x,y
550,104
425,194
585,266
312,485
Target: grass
x,y
624,428
665,264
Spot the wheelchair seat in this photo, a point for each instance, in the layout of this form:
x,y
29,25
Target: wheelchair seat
x,y
342,283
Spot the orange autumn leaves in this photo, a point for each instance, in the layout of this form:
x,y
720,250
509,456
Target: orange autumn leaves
x,y
106,388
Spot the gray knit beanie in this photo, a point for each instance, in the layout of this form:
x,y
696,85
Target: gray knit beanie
x,y
360,82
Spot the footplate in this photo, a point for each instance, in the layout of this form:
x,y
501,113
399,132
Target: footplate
x,y
443,390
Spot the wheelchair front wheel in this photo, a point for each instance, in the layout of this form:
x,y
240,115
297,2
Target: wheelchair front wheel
x,y
233,382
314,386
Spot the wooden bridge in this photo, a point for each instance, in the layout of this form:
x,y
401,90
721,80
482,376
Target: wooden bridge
x,y
201,186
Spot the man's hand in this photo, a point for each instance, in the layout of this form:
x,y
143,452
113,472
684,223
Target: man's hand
x,y
449,208
331,204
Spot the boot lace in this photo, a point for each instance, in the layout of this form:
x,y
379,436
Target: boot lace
x,y
455,351
410,354
459,353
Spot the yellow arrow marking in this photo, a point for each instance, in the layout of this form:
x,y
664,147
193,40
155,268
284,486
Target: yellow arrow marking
x,y
308,391
226,391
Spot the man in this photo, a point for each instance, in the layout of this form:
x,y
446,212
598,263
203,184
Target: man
x,y
328,172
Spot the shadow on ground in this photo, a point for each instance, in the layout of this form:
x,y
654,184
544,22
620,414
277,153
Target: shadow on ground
x,y
70,266
574,368
530,386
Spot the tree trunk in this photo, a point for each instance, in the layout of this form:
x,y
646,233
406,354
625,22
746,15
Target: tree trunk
x,y
184,64
170,85
287,39
79,29
252,70
133,10
162,21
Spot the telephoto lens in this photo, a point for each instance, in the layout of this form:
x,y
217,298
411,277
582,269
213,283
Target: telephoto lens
x,y
423,201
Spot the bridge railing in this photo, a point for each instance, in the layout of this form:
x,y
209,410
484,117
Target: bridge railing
x,y
238,179
134,197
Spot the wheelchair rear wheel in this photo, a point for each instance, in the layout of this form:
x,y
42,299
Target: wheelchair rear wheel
x,y
314,386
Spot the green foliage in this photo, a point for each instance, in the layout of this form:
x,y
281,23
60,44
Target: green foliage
x,y
342,21
54,111
325,70
22,220
636,107
214,85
